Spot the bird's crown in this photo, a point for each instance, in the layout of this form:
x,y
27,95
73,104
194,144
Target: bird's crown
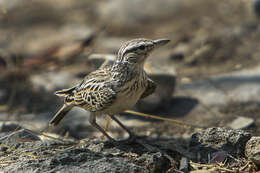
x,y
136,51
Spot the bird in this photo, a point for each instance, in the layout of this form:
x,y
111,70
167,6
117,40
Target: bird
x,y
115,88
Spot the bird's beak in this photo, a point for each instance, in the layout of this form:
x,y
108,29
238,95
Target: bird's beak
x,y
160,42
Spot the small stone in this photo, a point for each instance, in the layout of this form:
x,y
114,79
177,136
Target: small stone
x,y
9,126
184,164
186,80
252,150
3,149
212,170
218,157
241,123
212,140
177,57
157,162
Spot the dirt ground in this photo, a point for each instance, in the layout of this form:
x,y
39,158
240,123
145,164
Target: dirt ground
x,y
213,58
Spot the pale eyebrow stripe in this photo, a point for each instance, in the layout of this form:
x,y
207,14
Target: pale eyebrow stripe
x,y
133,48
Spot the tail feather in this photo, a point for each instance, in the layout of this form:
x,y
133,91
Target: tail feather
x,y
60,115
65,92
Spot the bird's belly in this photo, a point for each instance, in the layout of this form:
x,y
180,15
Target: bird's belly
x,y
125,101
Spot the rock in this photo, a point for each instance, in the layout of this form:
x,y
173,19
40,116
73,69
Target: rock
x,y
218,157
184,164
177,57
211,140
9,126
181,51
252,150
156,162
241,123
92,156
212,170
241,86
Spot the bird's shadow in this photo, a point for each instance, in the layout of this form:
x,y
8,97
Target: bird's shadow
x,y
141,145
175,107
179,106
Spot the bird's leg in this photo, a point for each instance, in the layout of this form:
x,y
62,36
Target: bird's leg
x,y
107,123
92,121
106,128
131,135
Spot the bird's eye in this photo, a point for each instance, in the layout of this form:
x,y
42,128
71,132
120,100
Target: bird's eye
x,y
132,59
142,47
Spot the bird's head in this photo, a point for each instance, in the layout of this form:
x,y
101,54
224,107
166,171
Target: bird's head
x,y
136,51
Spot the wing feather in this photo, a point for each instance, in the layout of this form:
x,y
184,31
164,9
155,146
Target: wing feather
x,y
95,93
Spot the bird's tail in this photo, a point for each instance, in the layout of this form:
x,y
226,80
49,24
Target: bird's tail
x,y
65,92
60,115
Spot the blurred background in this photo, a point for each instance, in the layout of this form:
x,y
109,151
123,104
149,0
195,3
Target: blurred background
x,y
208,75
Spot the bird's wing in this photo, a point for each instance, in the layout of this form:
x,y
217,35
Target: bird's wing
x,y
150,89
95,92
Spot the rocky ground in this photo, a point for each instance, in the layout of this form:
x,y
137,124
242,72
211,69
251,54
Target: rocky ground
x,y
207,76
213,149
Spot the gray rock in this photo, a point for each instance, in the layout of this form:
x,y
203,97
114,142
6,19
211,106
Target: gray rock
x,y
241,86
142,155
253,150
218,157
212,170
184,164
9,126
211,140
123,157
156,162
241,123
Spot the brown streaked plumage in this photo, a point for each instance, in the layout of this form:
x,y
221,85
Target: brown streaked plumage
x,y
113,89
